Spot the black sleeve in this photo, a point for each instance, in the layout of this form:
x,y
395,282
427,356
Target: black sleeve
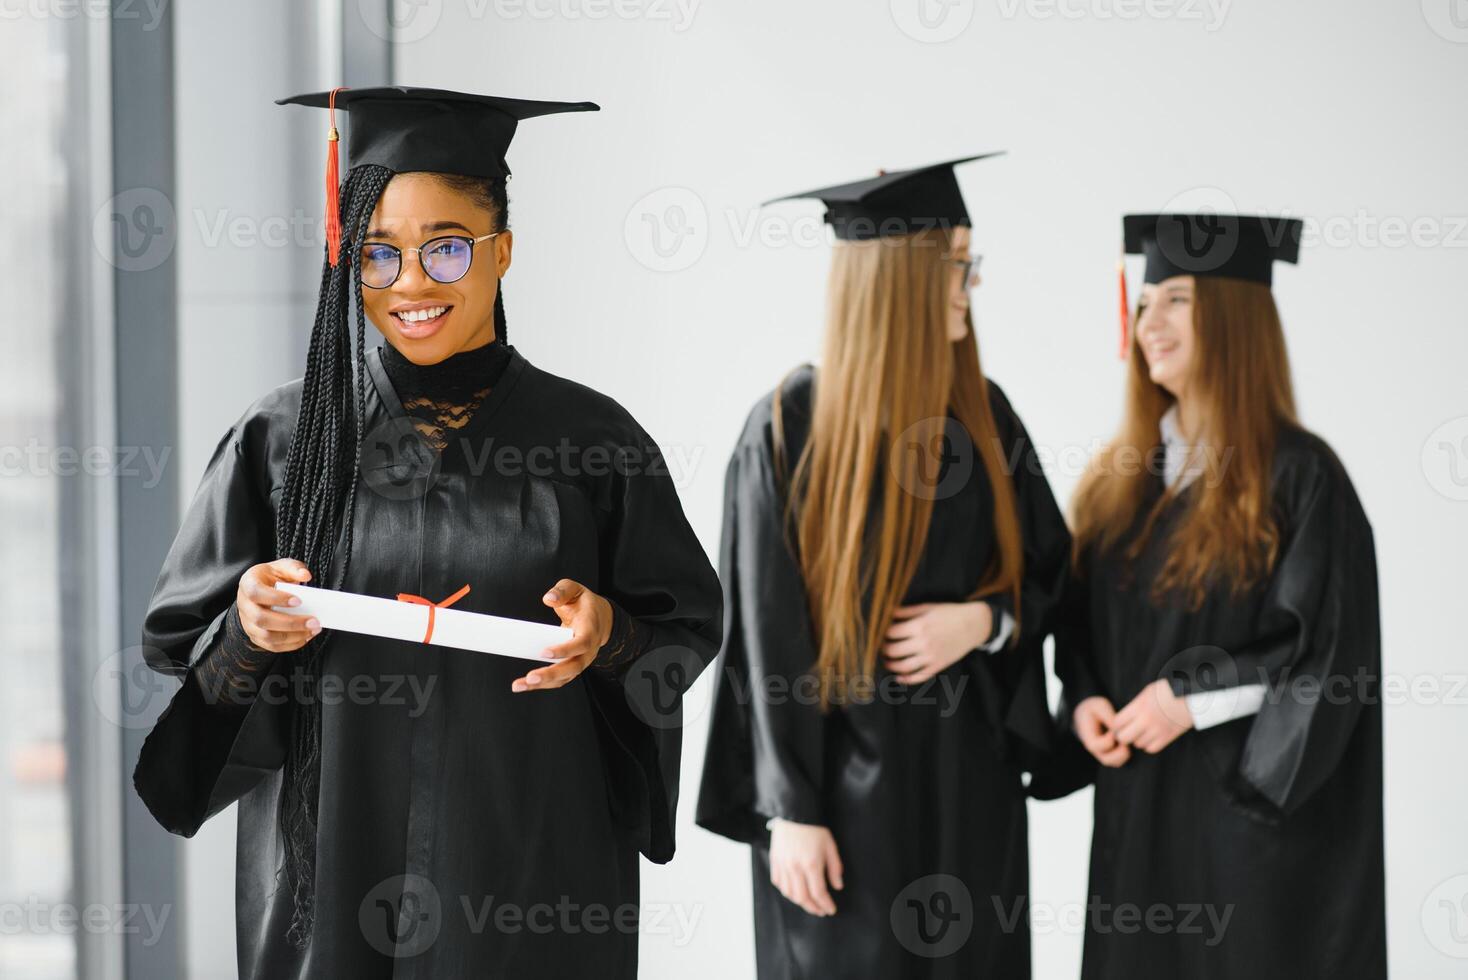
x,y
1069,766
1318,646
1027,720
198,758
767,734
1074,657
666,617
1046,536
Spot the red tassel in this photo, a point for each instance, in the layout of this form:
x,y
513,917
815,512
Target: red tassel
x,y
333,184
1125,309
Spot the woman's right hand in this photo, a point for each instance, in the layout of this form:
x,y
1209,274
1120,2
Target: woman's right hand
x,y
1094,720
802,858
277,632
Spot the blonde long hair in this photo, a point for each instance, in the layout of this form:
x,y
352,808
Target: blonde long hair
x,y
1240,380
888,370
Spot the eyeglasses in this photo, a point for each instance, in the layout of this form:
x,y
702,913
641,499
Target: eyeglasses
x,y
969,268
444,259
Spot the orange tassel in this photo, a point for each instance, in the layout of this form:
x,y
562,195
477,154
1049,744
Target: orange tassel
x,y
1125,309
333,184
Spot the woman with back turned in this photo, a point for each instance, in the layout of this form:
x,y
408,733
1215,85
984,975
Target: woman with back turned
x,y
890,557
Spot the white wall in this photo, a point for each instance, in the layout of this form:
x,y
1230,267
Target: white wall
x,y
1346,113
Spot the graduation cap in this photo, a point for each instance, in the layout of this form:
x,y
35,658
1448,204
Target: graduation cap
x,y
898,202
1232,246
405,128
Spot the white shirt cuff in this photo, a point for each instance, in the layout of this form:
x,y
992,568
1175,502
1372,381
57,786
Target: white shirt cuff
x,y
1210,708
1001,636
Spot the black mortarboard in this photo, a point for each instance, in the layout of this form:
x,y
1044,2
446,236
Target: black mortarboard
x,y
1230,245
898,202
405,128
1233,246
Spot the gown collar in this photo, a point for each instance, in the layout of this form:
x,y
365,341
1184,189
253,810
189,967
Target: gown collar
x,y
388,395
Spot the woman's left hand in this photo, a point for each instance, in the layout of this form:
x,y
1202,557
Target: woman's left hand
x,y
931,636
1154,719
590,618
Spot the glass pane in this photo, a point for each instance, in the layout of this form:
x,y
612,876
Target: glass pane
x,y
39,919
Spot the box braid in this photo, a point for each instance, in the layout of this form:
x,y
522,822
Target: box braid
x,y
319,500
317,505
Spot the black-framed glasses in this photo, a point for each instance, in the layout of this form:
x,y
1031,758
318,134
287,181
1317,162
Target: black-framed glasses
x,y
444,259
968,267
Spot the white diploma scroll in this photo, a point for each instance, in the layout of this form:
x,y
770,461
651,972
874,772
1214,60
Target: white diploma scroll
x,y
400,620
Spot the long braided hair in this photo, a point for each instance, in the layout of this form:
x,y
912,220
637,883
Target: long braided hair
x,y
319,500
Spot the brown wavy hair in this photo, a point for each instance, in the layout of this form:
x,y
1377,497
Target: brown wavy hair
x,y
1240,378
888,372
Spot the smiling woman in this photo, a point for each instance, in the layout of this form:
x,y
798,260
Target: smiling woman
x,y
433,298
1220,641
531,789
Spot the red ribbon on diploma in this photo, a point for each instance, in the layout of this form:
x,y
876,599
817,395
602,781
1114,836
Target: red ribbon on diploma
x,y
409,597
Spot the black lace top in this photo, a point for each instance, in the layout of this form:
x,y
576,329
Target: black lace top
x,y
441,398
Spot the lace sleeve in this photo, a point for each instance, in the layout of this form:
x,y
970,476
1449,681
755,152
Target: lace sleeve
x,y
229,673
624,643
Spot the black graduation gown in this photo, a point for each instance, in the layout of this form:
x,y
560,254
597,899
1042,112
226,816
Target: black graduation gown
x,y
1255,844
505,827
921,789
